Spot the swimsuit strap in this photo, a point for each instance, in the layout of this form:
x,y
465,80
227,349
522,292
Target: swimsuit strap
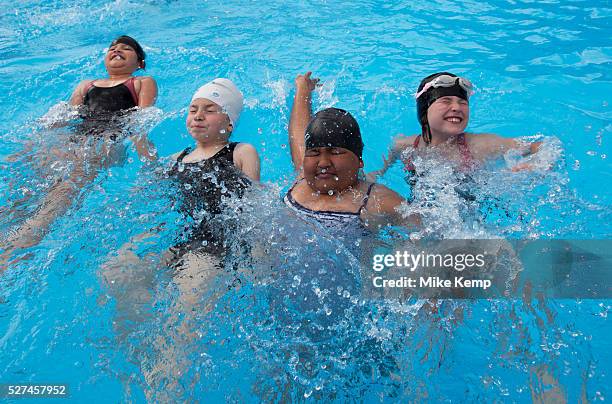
x,y
181,156
88,87
365,200
228,148
129,83
232,146
467,159
226,152
409,166
293,186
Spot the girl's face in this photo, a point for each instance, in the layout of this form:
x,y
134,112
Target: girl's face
x,y
206,121
331,169
121,58
448,115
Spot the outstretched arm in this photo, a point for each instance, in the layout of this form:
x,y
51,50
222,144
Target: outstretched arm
x,y
400,143
300,116
494,145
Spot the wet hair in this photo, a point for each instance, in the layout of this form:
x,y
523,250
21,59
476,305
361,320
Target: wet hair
x,y
334,127
430,96
128,40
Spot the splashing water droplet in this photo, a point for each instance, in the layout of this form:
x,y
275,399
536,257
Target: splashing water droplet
x,y
296,281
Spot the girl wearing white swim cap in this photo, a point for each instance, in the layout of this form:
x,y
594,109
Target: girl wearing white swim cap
x,y
213,114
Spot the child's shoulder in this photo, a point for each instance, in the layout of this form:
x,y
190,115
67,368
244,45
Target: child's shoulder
x,y
381,191
488,141
144,79
85,84
383,199
481,136
245,149
402,141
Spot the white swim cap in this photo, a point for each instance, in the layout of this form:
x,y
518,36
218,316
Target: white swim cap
x,y
224,93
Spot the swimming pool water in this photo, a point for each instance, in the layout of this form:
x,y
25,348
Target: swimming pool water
x,y
540,67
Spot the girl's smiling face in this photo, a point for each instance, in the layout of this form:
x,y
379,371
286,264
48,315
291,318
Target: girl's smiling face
x,y
448,116
121,58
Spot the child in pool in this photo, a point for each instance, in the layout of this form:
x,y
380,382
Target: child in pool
x,y
205,175
327,153
102,100
443,111
215,168
121,90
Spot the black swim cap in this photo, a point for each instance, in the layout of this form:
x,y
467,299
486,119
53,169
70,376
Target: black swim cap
x,y
334,127
128,40
430,96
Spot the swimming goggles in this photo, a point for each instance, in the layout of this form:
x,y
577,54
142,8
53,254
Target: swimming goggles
x,y
447,81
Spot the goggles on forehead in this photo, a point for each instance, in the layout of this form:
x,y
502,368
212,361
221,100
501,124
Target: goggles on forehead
x,y
447,81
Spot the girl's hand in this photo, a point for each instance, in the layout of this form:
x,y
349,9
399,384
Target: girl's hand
x,y
306,83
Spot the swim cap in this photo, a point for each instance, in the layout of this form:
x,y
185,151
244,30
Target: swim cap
x,y
334,127
430,96
225,94
128,40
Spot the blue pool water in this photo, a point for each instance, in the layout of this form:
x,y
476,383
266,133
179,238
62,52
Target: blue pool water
x,y
541,69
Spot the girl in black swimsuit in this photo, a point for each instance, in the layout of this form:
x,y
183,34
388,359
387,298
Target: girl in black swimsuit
x,y
101,103
213,171
205,177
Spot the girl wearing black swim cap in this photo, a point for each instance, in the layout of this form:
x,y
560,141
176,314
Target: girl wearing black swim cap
x,y
326,150
443,111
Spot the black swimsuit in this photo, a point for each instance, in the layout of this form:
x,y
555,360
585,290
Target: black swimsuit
x,y
105,100
102,109
202,188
